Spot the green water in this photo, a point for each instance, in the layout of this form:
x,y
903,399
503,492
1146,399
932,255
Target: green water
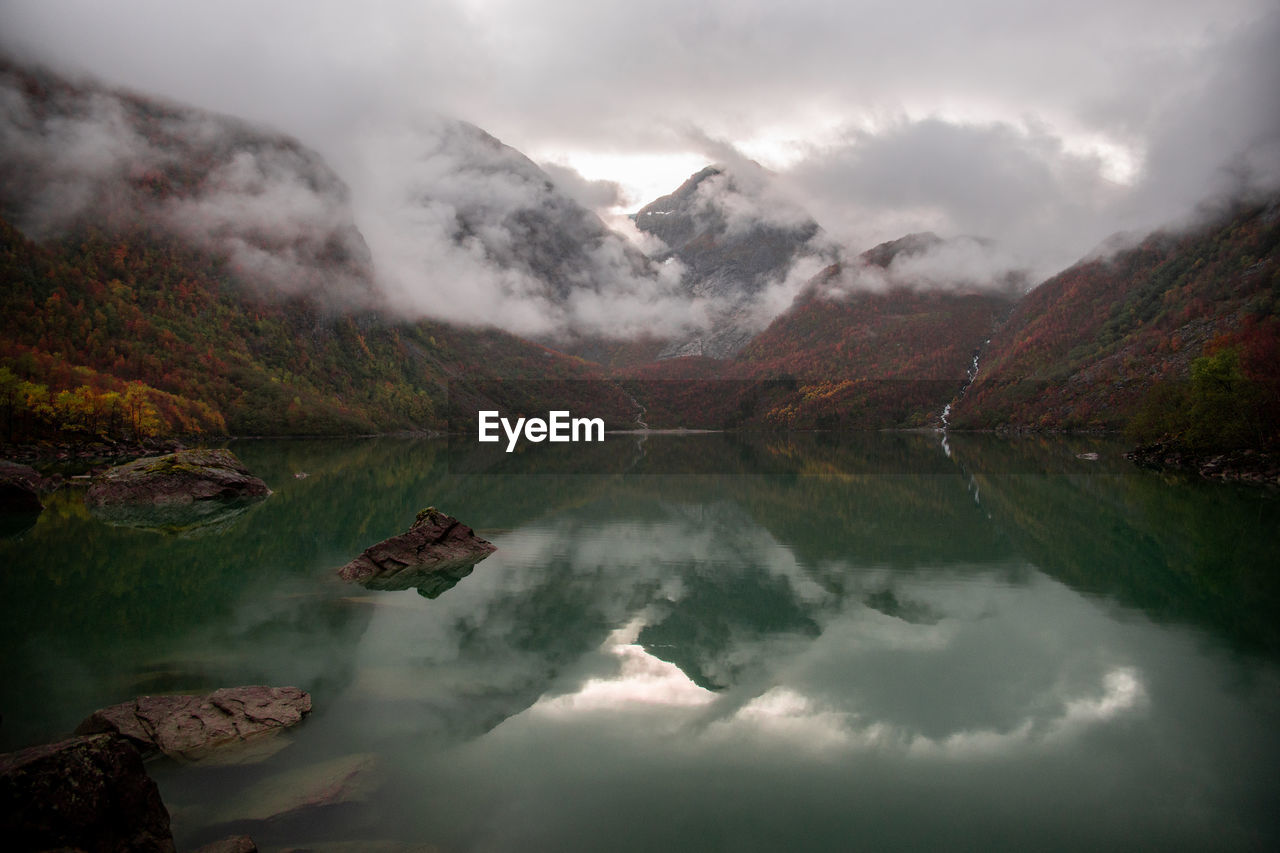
x,y
815,643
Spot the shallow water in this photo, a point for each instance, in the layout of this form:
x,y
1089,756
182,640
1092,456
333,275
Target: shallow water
x,y
815,643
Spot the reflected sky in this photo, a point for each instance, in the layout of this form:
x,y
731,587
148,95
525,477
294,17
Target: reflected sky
x,y
798,660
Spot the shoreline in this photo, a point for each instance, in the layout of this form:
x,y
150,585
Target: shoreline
x,y
1242,466
72,459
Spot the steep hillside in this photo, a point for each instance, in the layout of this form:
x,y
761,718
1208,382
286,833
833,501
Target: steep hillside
x,y
1122,341
170,271
75,155
141,334
902,351
841,357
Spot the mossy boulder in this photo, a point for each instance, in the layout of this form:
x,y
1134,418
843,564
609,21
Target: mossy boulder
x,y
183,477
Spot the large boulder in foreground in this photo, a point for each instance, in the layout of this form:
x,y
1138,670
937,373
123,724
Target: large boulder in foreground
x,y
192,727
85,793
20,488
182,477
436,543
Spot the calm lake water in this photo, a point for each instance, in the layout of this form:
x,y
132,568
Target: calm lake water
x,y
814,643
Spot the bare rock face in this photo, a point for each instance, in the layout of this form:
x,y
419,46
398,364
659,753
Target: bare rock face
x,y
20,487
85,793
182,477
436,543
191,727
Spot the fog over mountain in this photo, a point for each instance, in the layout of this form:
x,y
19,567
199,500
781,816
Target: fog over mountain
x,y
1042,129
745,248
76,154
466,228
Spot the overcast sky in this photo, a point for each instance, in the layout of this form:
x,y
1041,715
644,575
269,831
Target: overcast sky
x,y
1046,126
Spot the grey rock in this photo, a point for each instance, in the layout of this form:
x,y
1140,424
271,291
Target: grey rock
x,y
191,727
182,477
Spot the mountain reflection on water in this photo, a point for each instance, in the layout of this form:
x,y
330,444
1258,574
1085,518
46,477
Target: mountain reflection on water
x,y
816,642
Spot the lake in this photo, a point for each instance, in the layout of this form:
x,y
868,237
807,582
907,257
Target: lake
x,y
701,642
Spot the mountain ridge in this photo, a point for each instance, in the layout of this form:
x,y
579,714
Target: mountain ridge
x,y
1093,346
158,283
735,236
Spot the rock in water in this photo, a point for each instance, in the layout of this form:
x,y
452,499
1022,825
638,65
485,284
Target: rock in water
x,y
365,846
435,543
19,488
304,791
191,727
86,793
234,844
183,477
189,520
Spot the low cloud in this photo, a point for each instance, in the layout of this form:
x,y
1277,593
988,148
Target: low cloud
x,y
1044,132
1019,187
470,230
1045,197
749,198
597,195
87,155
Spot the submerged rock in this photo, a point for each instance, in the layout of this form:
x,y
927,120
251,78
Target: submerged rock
x,y
85,793
188,520
365,846
191,727
348,780
430,584
234,844
436,544
183,477
20,488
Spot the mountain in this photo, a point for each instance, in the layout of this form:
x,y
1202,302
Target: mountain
x,y
77,151
735,235
843,356
1176,337
169,271
134,334
902,352
75,154
500,206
